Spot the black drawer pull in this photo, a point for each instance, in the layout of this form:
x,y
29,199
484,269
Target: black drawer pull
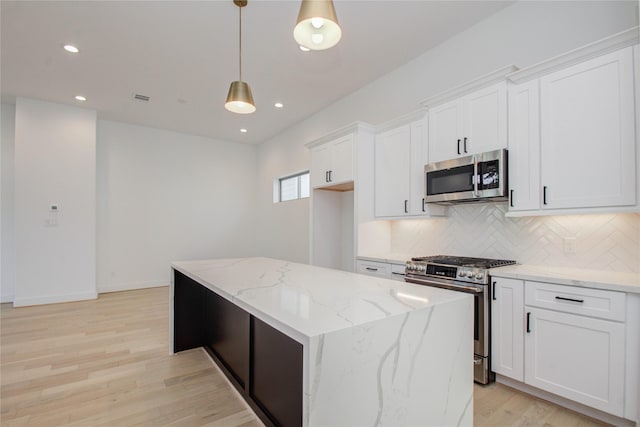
x,y
511,199
544,195
326,176
423,209
570,299
398,274
493,291
406,206
465,145
371,269
459,147
529,322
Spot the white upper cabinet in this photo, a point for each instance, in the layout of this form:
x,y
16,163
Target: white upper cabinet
x,y
524,146
332,162
400,156
393,172
572,143
587,134
474,123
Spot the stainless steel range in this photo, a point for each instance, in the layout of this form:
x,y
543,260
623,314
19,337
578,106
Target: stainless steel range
x,y
471,275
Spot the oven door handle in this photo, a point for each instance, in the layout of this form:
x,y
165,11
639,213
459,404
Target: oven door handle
x,y
460,288
476,177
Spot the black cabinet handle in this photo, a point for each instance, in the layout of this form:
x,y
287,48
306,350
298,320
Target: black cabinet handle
x,y
423,209
459,147
570,299
406,206
544,195
371,269
493,291
529,322
330,179
326,176
465,145
511,199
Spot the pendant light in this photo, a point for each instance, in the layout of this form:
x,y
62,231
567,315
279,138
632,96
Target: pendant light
x,y
239,98
317,27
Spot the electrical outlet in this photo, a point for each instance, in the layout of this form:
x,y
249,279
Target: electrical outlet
x,y
570,245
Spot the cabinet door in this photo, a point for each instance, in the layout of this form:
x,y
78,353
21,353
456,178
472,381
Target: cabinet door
x,y
576,357
320,165
227,334
524,146
419,157
341,169
507,328
276,369
392,172
587,133
445,127
485,120
188,313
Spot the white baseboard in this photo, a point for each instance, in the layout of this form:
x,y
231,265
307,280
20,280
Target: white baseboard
x,y
51,299
7,298
129,286
569,404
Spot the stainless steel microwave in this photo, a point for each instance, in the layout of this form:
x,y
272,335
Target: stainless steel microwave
x,y
477,178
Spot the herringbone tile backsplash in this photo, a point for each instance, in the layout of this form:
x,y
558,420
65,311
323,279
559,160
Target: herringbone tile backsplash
x,y
603,242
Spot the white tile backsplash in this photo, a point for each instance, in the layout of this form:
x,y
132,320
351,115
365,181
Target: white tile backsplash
x,y
603,241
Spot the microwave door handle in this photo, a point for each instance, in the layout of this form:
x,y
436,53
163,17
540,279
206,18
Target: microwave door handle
x,y
476,177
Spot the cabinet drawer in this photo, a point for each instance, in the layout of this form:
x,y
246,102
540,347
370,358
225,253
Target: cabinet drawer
x,y
372,268
397,272
572,299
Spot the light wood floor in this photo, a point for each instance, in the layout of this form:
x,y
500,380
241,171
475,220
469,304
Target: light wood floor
x,y
106,363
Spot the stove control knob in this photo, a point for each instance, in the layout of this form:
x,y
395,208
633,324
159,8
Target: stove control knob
x,y
422,268
461,273
479,276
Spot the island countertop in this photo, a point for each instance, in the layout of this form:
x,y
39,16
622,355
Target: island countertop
x,y
304,301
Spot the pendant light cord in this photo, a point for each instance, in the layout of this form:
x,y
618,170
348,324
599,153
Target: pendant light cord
x,y
240,7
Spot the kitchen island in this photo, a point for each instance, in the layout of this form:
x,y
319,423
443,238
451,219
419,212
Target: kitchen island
x,y
311,346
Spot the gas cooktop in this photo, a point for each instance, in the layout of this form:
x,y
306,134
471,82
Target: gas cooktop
x,y
460,261
471,270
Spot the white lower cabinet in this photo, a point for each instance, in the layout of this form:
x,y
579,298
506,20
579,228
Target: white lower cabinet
x,y
566,340
373,268
576,357
507,327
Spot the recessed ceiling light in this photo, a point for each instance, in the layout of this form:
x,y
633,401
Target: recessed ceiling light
x,y
278,105
304,49
71,48
243,130
80,98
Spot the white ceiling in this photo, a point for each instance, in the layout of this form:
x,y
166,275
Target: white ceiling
x,y
184,55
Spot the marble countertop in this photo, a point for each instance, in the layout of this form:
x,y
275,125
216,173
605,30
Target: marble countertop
x,y
597,279
394,258
304,301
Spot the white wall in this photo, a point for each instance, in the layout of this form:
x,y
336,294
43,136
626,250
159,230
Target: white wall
x,y
55,148
166,196
522,34
7,253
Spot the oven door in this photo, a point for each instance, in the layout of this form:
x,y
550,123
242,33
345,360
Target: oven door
x,y
480,293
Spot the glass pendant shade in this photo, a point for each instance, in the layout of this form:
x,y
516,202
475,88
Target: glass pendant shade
x,y
317,27
240,99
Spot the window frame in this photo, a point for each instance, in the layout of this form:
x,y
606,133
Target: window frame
x,y
278,186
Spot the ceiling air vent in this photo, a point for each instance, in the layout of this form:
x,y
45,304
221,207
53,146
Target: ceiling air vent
x,y
143,98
